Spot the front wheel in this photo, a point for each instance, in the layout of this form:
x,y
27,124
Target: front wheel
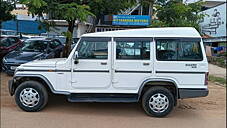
x,y
158,101
31,96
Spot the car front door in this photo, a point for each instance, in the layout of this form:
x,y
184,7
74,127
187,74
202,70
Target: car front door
x,y
133,62
93,68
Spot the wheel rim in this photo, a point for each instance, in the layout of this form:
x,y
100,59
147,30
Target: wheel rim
x,y
158,103
29,97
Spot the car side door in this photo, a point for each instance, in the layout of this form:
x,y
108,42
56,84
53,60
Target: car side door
x,y
133,62
13,43
93,70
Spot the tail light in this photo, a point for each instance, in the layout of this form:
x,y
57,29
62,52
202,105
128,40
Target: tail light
x,y
206,78
3,48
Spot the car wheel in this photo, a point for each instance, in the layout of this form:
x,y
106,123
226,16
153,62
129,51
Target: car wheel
x,y
31,96
158,101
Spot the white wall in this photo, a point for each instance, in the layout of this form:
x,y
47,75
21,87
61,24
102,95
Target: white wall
x,y
214,24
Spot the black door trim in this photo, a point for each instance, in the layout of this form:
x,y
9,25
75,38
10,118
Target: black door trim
x,y
130,71
180,72
91,71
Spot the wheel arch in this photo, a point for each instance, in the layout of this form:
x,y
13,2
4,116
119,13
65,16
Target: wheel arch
x,y
18,79
167,83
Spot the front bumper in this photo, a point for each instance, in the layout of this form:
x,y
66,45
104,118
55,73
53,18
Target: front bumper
x,y
192,93
11,87
7,68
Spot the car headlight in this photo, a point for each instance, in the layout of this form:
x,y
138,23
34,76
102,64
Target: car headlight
x,y
4,60
15,71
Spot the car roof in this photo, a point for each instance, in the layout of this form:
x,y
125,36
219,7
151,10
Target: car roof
x,y
5,36
41,39
149,32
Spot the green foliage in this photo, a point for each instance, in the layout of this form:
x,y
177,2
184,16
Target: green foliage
x,y
175,13
67,34
219,60
73,11
5,11
219,80
36,7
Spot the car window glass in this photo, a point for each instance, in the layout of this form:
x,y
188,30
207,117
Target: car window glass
x,y
6,42
54,44
133,50
35,46
178,50
93,50
12,40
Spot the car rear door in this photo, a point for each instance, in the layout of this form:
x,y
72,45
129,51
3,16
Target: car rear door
x,y
181,59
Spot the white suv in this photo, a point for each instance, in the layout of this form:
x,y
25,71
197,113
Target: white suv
x,y
156,66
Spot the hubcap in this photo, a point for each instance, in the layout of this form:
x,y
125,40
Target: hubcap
x,y
29,97
158,102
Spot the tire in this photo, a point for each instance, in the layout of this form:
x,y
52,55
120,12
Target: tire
x,y
31,96
158,101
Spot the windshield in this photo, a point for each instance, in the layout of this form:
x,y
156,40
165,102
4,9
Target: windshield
x,y
8,32
34,46
6,42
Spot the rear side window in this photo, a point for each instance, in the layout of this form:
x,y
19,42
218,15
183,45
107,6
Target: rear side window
x,y
178,50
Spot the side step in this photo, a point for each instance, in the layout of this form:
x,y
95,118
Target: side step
x,y
102,97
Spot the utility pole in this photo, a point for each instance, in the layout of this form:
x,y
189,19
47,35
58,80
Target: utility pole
x,y
17,24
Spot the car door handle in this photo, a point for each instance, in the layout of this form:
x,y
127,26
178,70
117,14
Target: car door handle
x,y
103,63
146,63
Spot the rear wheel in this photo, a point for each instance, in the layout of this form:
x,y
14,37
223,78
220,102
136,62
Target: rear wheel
x,y
158,101
31,96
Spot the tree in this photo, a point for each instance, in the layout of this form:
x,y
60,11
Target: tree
x,y
71,10
108,7
150,5
175,13
66,10
5,11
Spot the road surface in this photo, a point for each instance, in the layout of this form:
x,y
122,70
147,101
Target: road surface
x,y
207,112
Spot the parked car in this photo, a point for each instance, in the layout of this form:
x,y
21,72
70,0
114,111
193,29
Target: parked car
x,y
63,40
8,32
32,49
8,44
156,66
25,37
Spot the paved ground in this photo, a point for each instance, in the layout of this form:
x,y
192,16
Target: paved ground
x,y
207,112
217,71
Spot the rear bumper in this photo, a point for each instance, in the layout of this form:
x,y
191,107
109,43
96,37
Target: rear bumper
x,y
192,93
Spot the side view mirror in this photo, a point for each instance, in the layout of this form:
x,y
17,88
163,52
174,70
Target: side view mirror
x,y
75,57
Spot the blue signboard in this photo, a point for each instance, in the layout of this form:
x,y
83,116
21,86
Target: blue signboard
x,y
135,20
24,26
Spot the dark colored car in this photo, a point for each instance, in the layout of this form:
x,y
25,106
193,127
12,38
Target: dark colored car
x,y
32,49
8,44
